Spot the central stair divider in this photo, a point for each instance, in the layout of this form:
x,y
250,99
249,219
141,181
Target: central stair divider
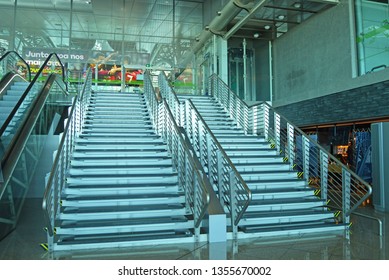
x,y
232,190
191,173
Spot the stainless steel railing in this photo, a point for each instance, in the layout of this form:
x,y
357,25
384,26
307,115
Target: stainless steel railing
x,y
191,176
61,164
233,192
343,190
167,92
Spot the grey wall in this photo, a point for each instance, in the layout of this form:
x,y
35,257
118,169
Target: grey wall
x,y
316,58
262,70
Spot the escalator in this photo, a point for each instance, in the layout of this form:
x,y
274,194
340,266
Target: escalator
x,y
15,77
31,116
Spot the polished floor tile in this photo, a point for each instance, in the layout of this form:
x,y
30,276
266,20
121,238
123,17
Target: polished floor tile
x,y
362,243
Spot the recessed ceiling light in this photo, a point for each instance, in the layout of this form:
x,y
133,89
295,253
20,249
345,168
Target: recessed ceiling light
x,y
267,27
281,17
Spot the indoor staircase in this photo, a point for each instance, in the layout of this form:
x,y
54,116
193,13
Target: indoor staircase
x,y
121,189
282,202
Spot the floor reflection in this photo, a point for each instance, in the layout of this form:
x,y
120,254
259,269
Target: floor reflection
x,y
362,242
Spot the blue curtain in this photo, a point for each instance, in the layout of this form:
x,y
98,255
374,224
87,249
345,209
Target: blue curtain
x,y
362,155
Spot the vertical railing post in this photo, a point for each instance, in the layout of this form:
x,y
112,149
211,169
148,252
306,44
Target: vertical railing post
x,y
180,164
324,175
233,203
195,206
346,189
209,155
231,104
220,183
306,154
177,109
246,121
266,120
291,145
186,124
277,131
254,120
201,143
238,114
193,121
182,114
188,174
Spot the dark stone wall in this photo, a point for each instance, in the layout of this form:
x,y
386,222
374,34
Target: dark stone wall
x,y
367,102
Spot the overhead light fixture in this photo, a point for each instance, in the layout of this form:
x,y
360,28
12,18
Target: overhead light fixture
x,y
219,13
281,17
256,35
297,5
267,27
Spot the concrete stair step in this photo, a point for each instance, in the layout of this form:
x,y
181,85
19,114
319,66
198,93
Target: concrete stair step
x,y
119,201
155,140
309,227
111,132
250,176
119,155
276,218
285,204
128,227
109,241
110,189
140,162
282,194
276,184
120,171
121,147
105,213
120,180
261,166
259,152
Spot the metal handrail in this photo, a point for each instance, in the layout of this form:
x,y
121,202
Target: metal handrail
x,y
168,93
57,178
9,53
233,191
191,175
335,182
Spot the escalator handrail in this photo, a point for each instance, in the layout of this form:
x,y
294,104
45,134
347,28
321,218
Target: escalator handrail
x,y
7,80
15,148
21,99
24,61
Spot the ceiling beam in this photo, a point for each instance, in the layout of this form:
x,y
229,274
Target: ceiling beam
x,y
241,22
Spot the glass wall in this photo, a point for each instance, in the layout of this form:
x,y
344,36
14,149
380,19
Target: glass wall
x,y
372,20
104,34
